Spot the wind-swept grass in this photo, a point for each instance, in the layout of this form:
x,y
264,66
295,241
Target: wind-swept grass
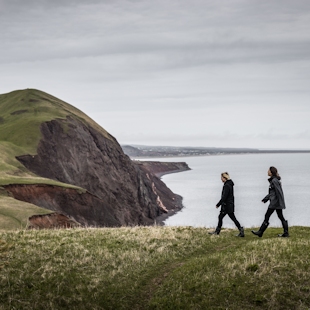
x,y
154,268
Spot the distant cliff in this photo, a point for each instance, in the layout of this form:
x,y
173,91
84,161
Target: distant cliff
x,y
114,190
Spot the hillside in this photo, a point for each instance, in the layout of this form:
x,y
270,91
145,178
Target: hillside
x,y
55,157
154,268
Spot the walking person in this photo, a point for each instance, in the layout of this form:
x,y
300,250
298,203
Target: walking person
x,y
227,204
276,198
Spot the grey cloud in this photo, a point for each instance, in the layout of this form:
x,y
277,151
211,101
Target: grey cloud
x,y
104,28
187,63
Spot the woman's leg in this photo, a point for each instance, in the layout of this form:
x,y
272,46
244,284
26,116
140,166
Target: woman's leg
x,y
233,218
284,223
268,214
220,222
280,215
265,224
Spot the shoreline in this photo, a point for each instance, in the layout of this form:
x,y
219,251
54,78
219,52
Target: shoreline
x,y
158,169
160,220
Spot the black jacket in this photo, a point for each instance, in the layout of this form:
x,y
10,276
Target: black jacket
x,y
275,194
227,201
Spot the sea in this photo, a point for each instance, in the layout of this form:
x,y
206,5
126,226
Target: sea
x,y
201,188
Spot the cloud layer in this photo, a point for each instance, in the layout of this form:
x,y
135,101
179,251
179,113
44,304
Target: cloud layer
x,y
225,73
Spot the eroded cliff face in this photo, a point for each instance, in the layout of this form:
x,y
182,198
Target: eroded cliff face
x,y
119,192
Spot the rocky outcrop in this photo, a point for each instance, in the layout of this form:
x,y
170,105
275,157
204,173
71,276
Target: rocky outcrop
x,y
118,191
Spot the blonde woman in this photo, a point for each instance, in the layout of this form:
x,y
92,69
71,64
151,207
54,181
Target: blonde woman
x,y
227,204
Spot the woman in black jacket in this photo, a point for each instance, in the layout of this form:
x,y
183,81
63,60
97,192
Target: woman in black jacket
x,y
227,204
276,198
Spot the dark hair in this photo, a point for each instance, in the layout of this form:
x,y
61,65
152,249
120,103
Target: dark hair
x,y
274,171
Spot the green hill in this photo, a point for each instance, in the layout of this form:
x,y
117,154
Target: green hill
x,y
21,114
23,111
154,268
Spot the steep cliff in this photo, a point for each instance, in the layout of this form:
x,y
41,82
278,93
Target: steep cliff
x,y
74,151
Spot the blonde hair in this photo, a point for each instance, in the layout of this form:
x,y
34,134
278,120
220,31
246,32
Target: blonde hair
x,y
225,175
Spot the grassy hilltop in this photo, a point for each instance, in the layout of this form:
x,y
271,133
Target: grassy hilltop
x,y
23,111
21,114
154,268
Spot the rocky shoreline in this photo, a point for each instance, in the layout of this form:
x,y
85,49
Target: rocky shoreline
x,y
159,221
158,169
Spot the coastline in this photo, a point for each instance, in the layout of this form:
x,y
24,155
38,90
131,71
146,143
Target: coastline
x,y
159,221
158,169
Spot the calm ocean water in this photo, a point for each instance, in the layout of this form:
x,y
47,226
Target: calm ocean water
x,y
201,188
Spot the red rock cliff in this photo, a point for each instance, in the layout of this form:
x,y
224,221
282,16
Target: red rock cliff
x,y
119,192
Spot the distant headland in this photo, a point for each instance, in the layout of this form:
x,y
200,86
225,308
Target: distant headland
x,y
136,151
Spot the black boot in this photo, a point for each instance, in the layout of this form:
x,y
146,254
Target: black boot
x,y
216,232
285,229
241,232
260,232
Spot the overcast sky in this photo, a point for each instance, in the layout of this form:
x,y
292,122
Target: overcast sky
x,y
226,73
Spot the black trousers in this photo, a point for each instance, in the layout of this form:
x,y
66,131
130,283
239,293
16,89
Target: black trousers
x,y
231,215
279,213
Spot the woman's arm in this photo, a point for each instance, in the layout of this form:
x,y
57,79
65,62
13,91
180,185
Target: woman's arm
x,y
266,198
225,194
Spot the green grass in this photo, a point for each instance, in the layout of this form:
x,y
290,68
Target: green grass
x,y
23,111
154,268
14,214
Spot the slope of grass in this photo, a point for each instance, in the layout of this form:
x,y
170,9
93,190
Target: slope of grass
x,y
21,114
23,111
14,213
154,268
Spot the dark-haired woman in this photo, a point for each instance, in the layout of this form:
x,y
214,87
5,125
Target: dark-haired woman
x,y
276,198
227,204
